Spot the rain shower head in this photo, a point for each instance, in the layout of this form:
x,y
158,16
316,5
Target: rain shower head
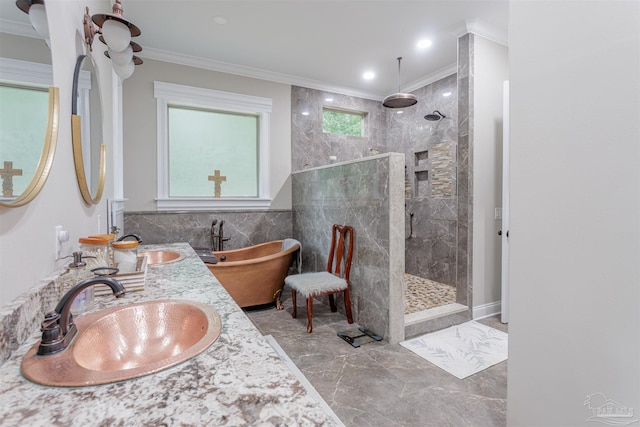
x,y
399,99
435,116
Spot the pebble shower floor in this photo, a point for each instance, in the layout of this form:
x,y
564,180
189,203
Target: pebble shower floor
x,y
423,294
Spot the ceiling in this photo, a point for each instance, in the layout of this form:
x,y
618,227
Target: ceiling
x,y
319,44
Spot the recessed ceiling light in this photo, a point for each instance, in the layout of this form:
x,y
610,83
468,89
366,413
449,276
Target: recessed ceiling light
x,y
220,20
305,113
424,43
399,112
368,75
446,94
328,99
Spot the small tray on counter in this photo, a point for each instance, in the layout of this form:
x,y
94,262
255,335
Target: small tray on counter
x,y
132,281
206,255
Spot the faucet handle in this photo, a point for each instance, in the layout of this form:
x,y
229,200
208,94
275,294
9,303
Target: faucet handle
x,y
50,328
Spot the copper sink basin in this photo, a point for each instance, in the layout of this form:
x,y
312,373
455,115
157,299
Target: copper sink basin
x,y
127,342
161,257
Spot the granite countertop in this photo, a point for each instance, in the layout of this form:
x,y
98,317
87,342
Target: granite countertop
x,y
239,380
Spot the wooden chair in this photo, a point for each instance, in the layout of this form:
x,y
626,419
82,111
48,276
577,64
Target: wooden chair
x,y
334,280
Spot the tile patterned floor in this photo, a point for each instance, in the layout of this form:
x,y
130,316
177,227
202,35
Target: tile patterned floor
x,y
380,384
423,294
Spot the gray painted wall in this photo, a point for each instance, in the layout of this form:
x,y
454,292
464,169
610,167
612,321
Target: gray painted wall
x,y
491,69
139,127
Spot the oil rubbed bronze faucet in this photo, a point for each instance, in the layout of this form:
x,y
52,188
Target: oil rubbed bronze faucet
x,y
58,328
217,240
135,236
221,238
214,236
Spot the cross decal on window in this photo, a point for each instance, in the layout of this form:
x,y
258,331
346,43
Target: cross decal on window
x,y
217,186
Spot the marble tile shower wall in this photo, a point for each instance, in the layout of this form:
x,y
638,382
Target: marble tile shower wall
x,y
311,147
244,228
464,279
358,194
430,153
430,150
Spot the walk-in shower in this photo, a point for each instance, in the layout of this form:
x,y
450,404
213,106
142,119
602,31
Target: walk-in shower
x,y
421,293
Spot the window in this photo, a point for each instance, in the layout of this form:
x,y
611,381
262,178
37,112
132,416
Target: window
x,y
343,122
222,140
213,149
24,112
24,105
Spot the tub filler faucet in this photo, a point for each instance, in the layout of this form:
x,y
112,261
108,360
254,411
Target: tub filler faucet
x,y
217,240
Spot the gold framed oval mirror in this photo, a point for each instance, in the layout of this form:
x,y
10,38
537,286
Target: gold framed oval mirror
x,y
89,152
10,172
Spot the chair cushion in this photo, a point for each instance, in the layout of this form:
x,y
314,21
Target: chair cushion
x,y
310,284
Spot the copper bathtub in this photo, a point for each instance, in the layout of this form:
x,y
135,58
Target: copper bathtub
x,y
254,275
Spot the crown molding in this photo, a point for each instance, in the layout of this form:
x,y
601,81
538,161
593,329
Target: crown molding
x,y
26,30
18,29
256,73
487,31
431,78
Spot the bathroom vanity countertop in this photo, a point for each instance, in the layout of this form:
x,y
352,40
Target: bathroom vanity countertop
x,y
238,381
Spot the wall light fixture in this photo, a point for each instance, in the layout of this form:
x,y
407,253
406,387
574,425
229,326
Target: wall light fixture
x,y
37,15
116,34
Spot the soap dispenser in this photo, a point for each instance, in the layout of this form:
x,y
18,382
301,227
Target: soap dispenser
x,y
78,272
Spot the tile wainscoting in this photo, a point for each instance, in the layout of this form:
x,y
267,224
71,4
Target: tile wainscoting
x,y
244,228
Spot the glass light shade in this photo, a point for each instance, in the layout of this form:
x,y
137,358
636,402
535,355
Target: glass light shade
x,y
124,71
38,18
116,34
121,58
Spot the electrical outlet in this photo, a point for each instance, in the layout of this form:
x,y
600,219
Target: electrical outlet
x,y
498,213
61,236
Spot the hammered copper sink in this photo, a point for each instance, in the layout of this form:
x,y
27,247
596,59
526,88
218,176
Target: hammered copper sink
x,y
127,342
161,257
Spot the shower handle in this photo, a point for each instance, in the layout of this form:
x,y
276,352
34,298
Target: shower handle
x,y
410,225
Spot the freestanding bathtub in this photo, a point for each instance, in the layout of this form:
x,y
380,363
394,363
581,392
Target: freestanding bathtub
x,y
254,275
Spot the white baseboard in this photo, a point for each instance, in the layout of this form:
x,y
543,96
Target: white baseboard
x,y
486,310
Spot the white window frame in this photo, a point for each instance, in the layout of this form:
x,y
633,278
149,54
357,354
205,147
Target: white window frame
x,y
179,95
33,73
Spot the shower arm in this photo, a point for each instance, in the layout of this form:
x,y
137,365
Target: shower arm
x,y
399,59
